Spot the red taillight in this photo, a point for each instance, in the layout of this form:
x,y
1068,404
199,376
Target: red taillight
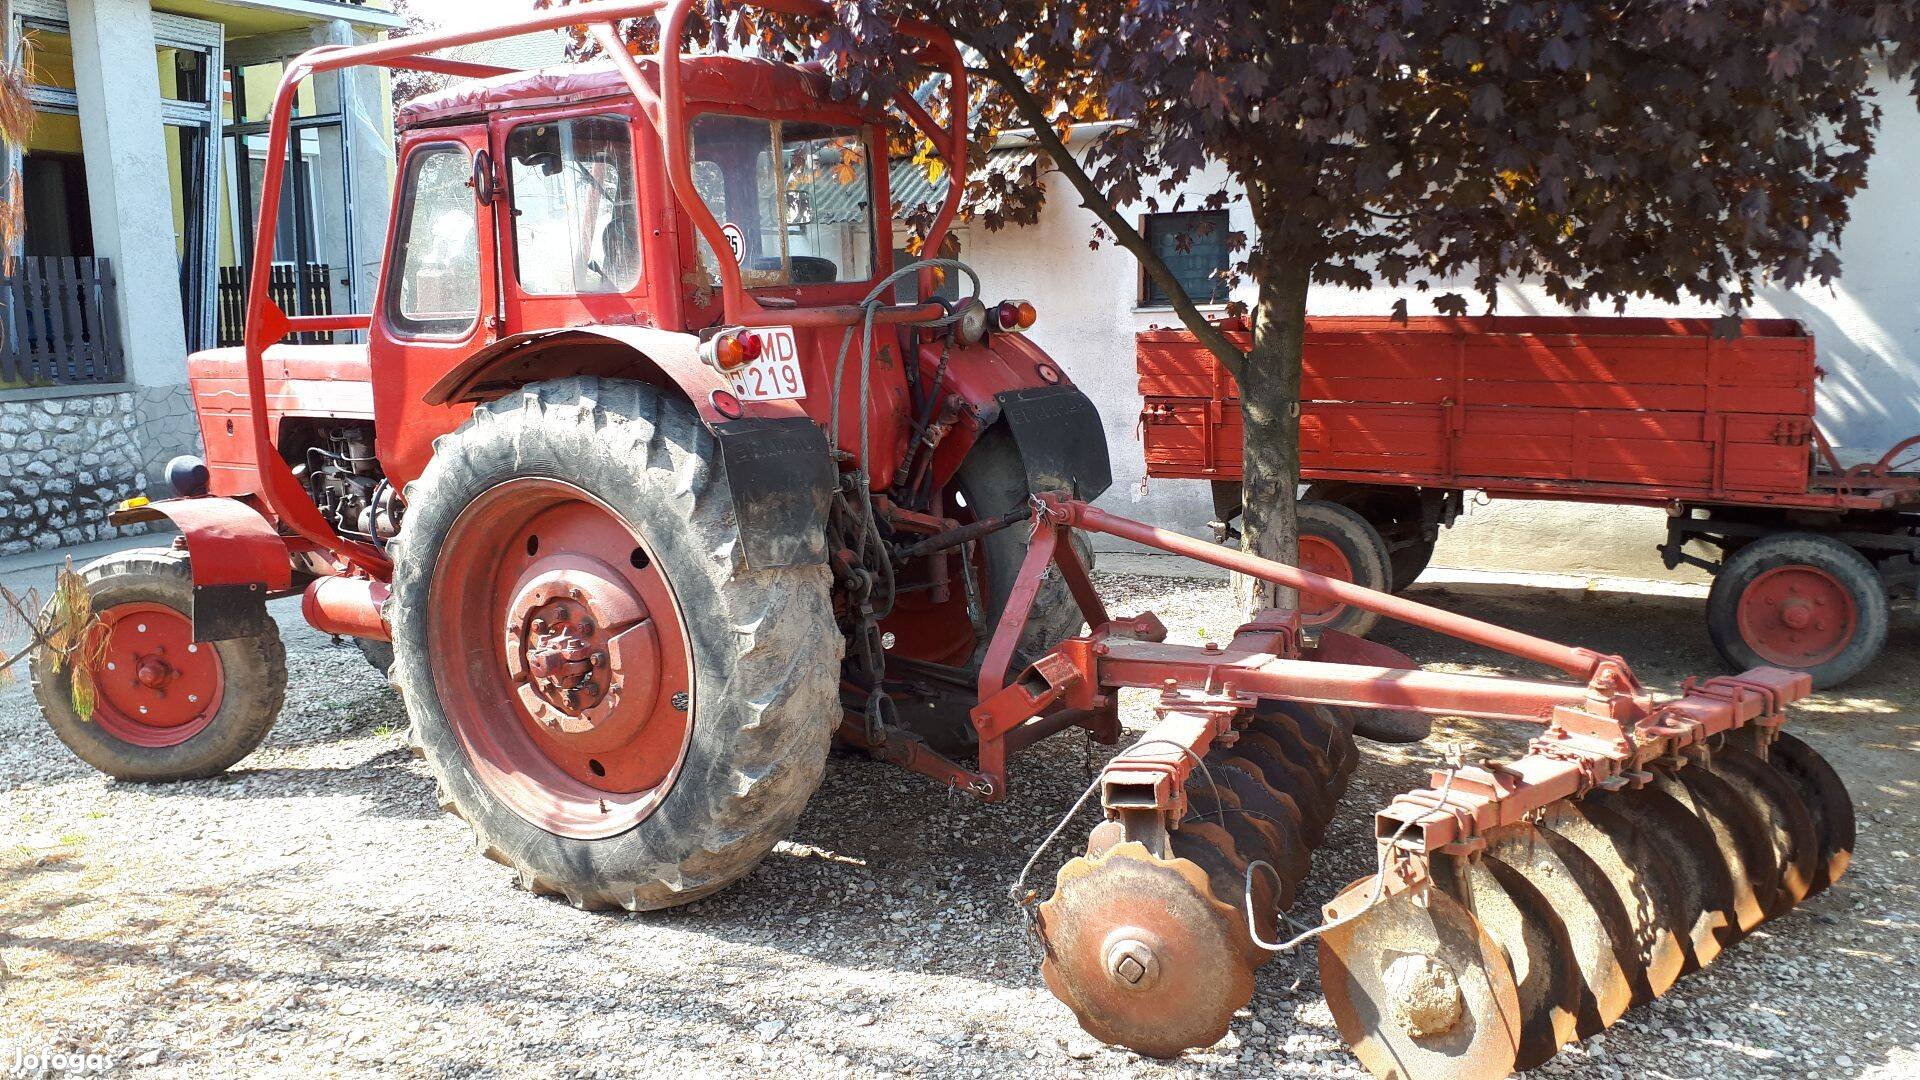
x,y
733,350
1012,315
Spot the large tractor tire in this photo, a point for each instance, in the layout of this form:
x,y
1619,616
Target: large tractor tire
x,y
993,479
1798,600
165,707
624,713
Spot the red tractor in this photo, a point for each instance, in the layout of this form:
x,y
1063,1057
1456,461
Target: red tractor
x,y
648,484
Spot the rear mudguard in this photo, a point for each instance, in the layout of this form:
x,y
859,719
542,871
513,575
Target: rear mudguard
x,y
238,559
1061,440
776,457
1009,378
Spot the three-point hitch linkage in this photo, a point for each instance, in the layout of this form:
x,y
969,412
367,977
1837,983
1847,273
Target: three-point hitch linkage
x,y
1516,906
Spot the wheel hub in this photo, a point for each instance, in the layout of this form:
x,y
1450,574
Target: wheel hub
x,y
156,686
153,673
1797,616
579,643
566,656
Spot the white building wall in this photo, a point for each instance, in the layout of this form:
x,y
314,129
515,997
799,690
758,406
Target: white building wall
x,y
1867,327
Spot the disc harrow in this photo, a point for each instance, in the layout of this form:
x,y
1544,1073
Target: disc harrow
x,y
1517,905
1254,801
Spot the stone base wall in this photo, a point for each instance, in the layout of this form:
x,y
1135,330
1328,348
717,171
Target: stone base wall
x,y
64,462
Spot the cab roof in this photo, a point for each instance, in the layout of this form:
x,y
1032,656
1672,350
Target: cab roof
x,y
732,79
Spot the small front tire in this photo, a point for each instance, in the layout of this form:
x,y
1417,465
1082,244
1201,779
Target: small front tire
x,y
165,706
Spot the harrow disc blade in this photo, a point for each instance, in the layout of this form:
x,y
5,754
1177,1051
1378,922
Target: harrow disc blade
x,y
1310,799
1539,953
1740,834
1257,799
1254,837
1301,774
1673,838
1644,889
1419,989
1142,952
1212,848
1771,798
1319,733
1826,800
1597,928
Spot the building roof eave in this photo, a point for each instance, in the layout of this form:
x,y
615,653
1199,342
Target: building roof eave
x,y
323,10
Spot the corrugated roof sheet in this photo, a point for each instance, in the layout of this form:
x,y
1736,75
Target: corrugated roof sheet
x,y
908,186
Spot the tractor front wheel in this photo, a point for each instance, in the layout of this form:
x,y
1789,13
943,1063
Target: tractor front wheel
x,y
162,705
624,713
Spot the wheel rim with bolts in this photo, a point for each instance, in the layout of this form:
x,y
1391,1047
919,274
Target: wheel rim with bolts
x,y
154,685
560,658
1797,616
1318,555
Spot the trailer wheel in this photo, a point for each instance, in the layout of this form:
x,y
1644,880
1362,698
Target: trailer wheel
x,y
1338,542
165,706
1393,512
1802,601
626,715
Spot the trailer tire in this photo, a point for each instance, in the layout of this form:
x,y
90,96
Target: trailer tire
x,y
144,600
1393,512
1772,600
994,480
1339,542
756,651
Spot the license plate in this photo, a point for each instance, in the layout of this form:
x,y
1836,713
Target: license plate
x,y
775,375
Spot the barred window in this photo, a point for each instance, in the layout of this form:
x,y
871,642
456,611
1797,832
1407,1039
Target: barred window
x,y
1194,246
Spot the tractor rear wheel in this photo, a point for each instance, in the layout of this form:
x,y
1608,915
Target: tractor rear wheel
x,y
165,707
993,478
1798,600
626,715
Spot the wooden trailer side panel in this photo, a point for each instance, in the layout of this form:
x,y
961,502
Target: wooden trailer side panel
x,y
1477,402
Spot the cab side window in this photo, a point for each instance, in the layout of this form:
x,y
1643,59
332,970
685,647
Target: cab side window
x,y
575,224
435,290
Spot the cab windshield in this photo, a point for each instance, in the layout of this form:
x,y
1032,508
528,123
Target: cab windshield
x,y
794,198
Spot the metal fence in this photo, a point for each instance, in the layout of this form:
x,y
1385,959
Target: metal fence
x,y
58,326
297,289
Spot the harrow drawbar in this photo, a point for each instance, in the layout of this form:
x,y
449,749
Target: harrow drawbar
x,y
1517,905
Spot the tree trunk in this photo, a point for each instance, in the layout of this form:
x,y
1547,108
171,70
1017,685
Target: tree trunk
x,y
1270,408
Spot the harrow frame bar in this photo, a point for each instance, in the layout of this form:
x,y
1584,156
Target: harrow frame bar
x,y
1598,733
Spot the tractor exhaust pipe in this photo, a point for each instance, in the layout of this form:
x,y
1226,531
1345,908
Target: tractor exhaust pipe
x,y
346,607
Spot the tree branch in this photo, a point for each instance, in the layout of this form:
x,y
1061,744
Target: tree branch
x,y
1215,339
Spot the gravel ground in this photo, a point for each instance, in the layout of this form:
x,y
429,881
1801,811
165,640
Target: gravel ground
x,y
312,913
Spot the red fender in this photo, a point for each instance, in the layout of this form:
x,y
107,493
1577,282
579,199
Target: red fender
x,y
609,351
239,559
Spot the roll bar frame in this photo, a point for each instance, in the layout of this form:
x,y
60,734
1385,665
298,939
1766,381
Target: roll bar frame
x,y
266,324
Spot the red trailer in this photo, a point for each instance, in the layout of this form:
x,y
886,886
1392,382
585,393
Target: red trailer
x,y
1401,418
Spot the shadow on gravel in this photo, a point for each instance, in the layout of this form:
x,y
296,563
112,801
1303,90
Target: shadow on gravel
x,y
398,790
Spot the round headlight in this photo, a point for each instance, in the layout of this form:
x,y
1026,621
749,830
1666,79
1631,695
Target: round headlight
x,y
971,326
